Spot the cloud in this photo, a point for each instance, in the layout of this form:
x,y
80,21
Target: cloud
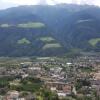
x,y
12,3
4,4
22,2
34,2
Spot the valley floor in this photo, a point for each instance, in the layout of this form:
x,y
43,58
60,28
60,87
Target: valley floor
x,y
50,78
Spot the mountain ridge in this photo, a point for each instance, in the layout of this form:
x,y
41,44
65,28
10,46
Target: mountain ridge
x,y
73,27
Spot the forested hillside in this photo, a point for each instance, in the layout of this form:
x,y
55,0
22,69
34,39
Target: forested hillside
x,y
49,30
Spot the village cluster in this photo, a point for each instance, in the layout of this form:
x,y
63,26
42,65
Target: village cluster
x,y
66,77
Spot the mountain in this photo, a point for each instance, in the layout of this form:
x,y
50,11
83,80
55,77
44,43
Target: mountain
x,y
45,30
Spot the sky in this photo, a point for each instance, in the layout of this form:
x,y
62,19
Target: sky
x,y
12,3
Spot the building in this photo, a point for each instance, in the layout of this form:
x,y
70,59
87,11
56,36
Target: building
x,y
59,87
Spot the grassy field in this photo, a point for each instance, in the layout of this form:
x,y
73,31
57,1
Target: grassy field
x,y
23,41
13,61
47,39
31,25
4,25
93,42
51,45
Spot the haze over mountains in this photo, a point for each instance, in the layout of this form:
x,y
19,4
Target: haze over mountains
x,y
44,30
12,3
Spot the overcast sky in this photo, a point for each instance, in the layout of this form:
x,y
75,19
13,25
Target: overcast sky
x,y
11,3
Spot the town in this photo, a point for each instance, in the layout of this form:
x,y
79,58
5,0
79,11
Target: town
x,y
50,78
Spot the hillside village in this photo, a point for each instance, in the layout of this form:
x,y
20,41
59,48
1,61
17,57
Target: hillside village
x,y
71,78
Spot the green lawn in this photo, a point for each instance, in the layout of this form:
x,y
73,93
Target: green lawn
x,y
28,84
88,70
25,25
31,25
40,98
93,42
47,39
23,41
31,87
4,25
51,45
